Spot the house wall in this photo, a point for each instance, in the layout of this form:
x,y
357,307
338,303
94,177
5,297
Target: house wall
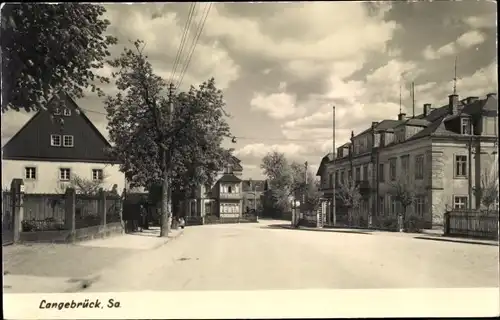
x,y
445,184
47,174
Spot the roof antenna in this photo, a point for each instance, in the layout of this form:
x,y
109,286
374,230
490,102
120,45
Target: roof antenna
x,y
413,97
455,78
400,99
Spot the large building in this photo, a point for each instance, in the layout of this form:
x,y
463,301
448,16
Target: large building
x,y
56,146
443,154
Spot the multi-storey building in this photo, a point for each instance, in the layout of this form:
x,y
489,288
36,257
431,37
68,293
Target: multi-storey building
x,y
442,154
224,198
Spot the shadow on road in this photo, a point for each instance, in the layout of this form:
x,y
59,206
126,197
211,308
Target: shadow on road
x,y
457,241
288,227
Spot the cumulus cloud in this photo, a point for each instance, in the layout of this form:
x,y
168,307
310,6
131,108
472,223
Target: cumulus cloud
x,y
277,105
466,40
487,20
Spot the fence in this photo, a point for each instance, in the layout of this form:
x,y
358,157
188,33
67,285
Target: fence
x,y
51,212
472,223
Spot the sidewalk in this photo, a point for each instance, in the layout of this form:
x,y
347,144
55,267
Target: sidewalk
x,y
64,267
430,234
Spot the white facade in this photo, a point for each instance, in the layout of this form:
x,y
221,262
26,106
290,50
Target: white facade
x,y
47,175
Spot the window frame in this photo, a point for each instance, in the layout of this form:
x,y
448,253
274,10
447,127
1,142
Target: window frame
x,y
98,170
52,141
34,170
465,164
393,169
460,196
64,141
357,173
365,173
61,170
419,166
419,204
465,123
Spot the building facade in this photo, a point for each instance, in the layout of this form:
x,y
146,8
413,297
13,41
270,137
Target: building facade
x,y
224,198
253,191
56,146
441,156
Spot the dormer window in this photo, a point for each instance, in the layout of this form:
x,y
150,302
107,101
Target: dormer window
x,y
66,112
465,127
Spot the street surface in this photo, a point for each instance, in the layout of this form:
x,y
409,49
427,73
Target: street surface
x,y
264,256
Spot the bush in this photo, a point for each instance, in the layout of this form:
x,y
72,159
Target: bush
x,y
388,223
414,224
48,224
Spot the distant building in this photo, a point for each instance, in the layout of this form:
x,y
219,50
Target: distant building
x,y
442,154
55,146
224,198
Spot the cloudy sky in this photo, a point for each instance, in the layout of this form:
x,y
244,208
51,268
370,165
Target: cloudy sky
x,y
283,66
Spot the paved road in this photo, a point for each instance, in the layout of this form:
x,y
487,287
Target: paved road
x,y
260,257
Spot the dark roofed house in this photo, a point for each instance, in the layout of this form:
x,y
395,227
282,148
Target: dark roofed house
x,y
57,145
430,150
253,191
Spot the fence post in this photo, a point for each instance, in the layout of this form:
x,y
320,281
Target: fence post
x,y
70,208
17,194
102,206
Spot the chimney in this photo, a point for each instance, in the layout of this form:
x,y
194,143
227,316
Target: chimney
x,y
453,104
427,109
401,116
491,95
470,100
374,124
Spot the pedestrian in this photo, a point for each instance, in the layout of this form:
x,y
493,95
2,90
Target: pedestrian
x,y
142,217
182,222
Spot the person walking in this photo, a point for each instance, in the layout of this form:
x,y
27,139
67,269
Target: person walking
x,y
142,218
182,222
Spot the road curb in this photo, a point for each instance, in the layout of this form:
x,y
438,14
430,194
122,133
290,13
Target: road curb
x,y
84,283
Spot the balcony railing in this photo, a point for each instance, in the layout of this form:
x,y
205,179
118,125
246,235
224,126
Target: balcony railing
x,y
231,196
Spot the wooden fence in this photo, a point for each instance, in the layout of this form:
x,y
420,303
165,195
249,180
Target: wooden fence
x,y
472,223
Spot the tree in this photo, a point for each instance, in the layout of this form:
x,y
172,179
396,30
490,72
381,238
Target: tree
x,y
348,192
157,143
487,193
404,193
49,47
289,179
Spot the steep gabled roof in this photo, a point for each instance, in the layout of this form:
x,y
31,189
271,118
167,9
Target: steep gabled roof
x,y
229,177
327,158
32,141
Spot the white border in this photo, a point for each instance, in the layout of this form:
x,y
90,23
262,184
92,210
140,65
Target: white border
x,y
472,302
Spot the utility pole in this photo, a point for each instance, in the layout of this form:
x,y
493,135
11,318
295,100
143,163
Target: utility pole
x,y
305,185
334,216
166,209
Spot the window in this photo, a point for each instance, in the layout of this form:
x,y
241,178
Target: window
x,y
392,169
460,166
342,176
460,202
55,140
97,174
67,112
229,189
68,141
337,177
394,205
64,174
381,173
419,166
30,173
330,180
365,173
419,205
405,167
358,174
57,111
349,174
465,126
